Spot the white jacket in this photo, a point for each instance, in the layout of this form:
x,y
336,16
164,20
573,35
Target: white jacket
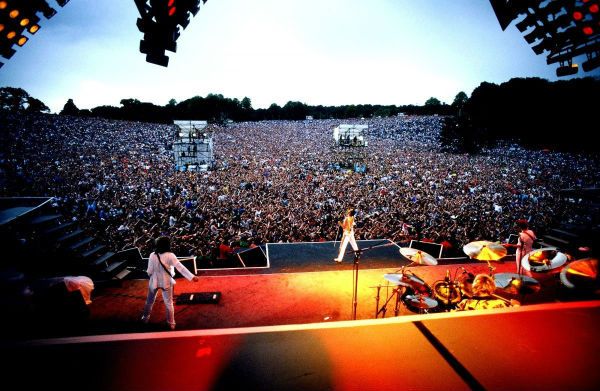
x,y
159,278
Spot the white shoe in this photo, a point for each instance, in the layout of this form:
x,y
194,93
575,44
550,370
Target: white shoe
x,y
337,260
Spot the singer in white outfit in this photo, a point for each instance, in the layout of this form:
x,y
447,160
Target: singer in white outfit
x,y
348,236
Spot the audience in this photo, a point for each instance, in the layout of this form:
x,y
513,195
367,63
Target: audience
x,y
274,182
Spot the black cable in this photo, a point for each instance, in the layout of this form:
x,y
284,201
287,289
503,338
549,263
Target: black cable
x,y
449,357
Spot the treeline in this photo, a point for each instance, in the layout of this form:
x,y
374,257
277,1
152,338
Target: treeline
x,y
218,109
531,111
534,112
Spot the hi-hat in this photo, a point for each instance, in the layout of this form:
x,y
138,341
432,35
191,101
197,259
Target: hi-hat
x,y
418,256
543,259
421,301
516,283
581,274
483,250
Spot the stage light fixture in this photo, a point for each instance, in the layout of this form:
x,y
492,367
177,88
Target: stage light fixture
x,y
591,63
159,21
528,21
567,70
537,33
564,28
21,16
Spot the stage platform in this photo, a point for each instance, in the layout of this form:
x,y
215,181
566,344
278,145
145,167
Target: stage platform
x,y
542,347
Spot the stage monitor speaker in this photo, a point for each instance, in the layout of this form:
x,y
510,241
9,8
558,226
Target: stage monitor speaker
x,y
253,257
132,256
433,249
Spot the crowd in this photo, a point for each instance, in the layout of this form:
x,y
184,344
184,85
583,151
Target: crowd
x,y
273,182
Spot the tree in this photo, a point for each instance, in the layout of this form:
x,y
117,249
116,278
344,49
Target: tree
x,y
431,102
70,108
17,99
246,103
36,106
460,100
13,99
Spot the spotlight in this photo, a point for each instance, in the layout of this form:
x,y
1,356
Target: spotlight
x,y
33,28
567,70
537,33
22,40
528,21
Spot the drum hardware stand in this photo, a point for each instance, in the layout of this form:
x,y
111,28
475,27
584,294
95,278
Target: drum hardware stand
x,y
357,254
396,292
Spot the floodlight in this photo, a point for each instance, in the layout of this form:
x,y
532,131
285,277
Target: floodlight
x,y
567,70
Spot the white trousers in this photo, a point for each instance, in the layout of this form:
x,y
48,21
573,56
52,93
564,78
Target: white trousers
x,y
167,295
345,239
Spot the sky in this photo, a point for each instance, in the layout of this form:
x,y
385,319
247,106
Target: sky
x,y
320,52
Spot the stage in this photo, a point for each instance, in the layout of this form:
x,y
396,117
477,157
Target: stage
x,y
294,331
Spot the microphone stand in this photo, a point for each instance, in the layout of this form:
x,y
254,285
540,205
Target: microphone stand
x,y
357,255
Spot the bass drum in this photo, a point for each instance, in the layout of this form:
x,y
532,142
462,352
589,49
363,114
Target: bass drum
x,y
448,294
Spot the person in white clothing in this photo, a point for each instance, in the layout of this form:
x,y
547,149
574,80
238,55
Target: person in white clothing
x,y
348,235
161,269
525,242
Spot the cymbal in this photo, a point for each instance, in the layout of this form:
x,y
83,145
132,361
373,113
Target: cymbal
x,y
421,301
582,273
483,250
405,279
543,259
516,283
418,256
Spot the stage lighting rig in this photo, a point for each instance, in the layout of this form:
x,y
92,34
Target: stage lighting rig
x,y
564,28
20,17
160,21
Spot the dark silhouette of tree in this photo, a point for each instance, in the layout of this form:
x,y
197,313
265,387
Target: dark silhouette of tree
x,y
17,99
69,108
433,102
460,100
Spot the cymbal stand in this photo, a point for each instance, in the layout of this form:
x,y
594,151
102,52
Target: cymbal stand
x,y
398,292
377,301
491,268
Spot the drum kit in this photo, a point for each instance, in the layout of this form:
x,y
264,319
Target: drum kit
x,y
444,295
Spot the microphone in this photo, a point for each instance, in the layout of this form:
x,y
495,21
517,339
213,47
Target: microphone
x,y
468,273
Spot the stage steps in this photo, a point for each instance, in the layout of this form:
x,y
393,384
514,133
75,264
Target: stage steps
x,y
57,246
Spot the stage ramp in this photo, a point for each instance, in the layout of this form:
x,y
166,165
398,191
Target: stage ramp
x,y
318,256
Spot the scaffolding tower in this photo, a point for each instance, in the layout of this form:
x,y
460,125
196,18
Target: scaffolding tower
x,y
193,146
349,147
